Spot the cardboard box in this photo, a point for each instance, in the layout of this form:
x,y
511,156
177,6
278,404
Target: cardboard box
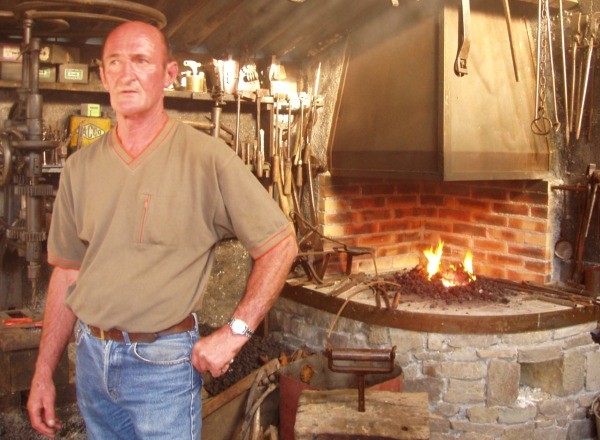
x,y
10,71
90,109
10,52
73,73
57,54
47,74
91,129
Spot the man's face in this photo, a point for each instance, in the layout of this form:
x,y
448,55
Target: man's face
x,y
135,70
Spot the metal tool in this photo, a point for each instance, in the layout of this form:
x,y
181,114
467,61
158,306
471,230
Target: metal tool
x,y
460,65
541,124
361,362
576,36
593,179
564,68
510,38
556,123
589,40
563,248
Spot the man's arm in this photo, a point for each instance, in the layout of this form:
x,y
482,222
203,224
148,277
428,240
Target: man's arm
x,y
59,321
269,272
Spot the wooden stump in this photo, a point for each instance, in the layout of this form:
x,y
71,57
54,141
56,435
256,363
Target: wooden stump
x,y
388,415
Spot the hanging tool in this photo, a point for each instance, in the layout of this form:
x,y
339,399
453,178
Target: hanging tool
x,y
589,41
307,149
576,36
593,179
541,124
464,46
556,123
287,172
510,38
564,66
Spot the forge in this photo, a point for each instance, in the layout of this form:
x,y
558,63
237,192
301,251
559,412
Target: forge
x,y
515,361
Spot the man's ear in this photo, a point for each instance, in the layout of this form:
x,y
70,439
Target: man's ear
x,y
171,73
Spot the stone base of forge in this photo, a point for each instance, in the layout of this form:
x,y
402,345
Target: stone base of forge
x,y
531,385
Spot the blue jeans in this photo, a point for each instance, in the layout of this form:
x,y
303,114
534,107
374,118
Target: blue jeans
x,y
138,391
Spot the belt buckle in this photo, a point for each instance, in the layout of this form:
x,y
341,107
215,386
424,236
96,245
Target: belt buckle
x,y
102,335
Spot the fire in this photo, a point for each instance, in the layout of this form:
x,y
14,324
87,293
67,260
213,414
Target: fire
x,y
452,276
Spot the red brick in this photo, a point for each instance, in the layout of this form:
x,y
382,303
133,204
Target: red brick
x,y
338,218
469,229
377,189
453,241
505,260
490,219
490,245
528,225
404,213
503,234
401,201
528,251
431,200
371,215
438,226
398,225
411,187
519,276
529,198
368,202
456,189
340,191
377,240
510,208
414,236
539,211
489,271
542,267
455,214
334,205
362,228
490,193
476,205
430,187
425,212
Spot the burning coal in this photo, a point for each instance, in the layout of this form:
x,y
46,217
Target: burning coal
x,y
460,275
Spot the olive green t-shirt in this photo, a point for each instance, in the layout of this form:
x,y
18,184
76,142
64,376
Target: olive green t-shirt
x,y
142,230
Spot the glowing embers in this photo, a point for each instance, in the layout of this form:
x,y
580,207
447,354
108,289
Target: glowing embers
x,y
452,275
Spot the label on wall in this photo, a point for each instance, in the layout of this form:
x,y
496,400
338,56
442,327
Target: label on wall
x,y
89,128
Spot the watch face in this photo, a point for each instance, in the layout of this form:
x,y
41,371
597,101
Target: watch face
x,y
238,326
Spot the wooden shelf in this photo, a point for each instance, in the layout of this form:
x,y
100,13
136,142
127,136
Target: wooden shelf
x,y
98,88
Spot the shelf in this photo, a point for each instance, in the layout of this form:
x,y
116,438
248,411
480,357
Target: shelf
x,y
98,88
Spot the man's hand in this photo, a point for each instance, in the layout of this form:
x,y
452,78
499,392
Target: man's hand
x,y
215,352
41,406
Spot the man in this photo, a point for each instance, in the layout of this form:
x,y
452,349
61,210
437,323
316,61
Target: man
x,y
135,222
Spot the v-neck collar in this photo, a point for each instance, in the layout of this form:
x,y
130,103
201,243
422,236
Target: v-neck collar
x,y
135,162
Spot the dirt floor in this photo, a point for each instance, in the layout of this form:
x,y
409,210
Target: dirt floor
x,y
14,425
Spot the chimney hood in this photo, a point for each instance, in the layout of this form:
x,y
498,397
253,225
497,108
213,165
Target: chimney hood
x,y
403,112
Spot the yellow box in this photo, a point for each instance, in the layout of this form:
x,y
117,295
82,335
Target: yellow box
x,y
91,129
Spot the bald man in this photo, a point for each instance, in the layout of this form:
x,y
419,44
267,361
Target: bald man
x,y
136,220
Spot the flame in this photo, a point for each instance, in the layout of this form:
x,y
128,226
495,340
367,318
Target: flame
x,y
434,258
452,276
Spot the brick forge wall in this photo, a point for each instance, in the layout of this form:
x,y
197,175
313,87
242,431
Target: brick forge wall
x,y
506,224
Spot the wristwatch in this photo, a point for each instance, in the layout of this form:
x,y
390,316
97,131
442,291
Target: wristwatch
x,y
239,327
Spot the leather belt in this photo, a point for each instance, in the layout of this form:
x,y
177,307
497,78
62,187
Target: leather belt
x,y
114,334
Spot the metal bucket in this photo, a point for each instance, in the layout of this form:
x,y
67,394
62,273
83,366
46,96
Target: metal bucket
x,y
592,279
290,386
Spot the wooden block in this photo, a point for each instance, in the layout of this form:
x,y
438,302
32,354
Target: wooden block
x,y
388,415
